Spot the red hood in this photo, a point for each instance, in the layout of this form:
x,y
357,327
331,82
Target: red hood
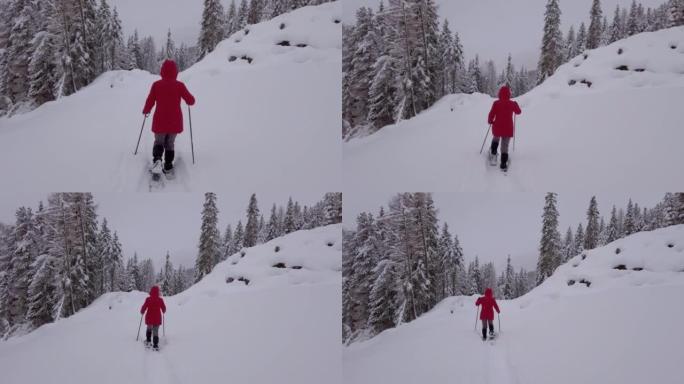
x,y
169,70
154,291
505,93
488,292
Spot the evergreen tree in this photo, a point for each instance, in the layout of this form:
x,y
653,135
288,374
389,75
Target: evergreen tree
x,y
170,47
595,25
509,280
675,13
591,237
552,42
612,231
549,245
570,44
241,18
252,227
616,26
167,285
231,20
254,11
332,208
289,223
209,243
630,225
212,30
238,237
581,39
226,245
568,245
579,240
272,225
633,21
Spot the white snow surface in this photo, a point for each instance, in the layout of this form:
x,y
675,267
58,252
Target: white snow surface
x,y
622,133
282,327
271,123
621,329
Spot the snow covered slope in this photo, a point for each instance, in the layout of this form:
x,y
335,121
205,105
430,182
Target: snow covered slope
x,y
272,122
623,132
621,328
284,326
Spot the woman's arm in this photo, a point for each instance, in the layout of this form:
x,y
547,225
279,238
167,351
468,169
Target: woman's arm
x,y
151,99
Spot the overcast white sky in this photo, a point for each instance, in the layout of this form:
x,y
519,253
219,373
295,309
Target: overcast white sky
x,y
493,28
155,17
151,224
493,225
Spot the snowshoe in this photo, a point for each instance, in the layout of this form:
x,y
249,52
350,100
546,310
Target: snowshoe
x,y
156,170
169,173
492,158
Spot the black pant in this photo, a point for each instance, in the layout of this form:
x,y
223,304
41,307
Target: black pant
x,y
484,327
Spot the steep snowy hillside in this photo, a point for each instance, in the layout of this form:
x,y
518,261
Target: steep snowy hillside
x,y
608,120
619,328
266,116
281,326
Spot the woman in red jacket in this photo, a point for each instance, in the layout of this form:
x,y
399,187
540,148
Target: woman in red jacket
x,y
488,303
154,305
501,119
168,118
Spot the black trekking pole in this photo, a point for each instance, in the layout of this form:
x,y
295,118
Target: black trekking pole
x,y
164,326
137,338
139,136
485,139
192,145
498,316
477,314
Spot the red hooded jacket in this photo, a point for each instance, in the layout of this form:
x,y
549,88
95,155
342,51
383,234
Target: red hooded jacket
x,y
488,303
501,114
154,306
167,94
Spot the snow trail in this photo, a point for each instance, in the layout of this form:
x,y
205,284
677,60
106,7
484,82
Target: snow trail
x,y
268,124
562,331
284,324
622,133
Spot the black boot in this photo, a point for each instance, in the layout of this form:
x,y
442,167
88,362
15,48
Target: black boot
x,y
494,147
148,337
157,152
504,161
168,160
155,344
484,333
491,330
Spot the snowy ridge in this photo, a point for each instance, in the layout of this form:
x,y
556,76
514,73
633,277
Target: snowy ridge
x,y
644,258
303,257
621,132
215,331
608,332
648,59
276,113
286,38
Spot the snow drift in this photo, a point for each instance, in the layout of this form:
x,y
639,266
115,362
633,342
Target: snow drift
x,y
609,120
619,328
266,116
284,325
